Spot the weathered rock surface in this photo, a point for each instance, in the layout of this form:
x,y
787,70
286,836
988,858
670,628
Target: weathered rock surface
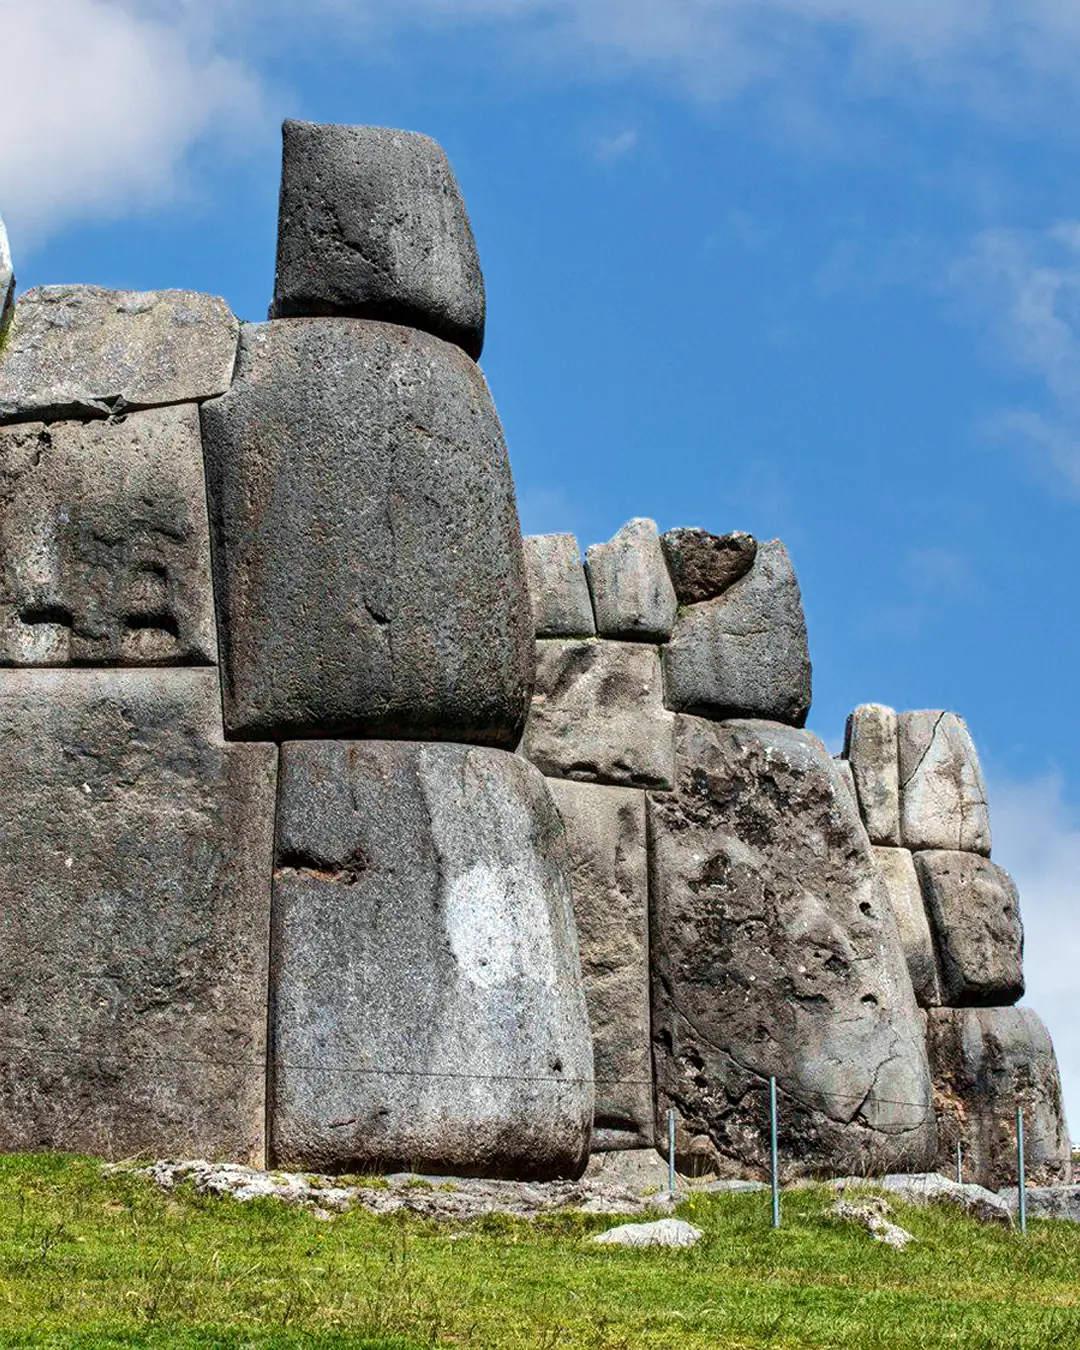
x,y
974,911
368,560
104,544
632,594
843,771
428,1007
135,858
661,1233
557,587
704,565
609,877
986,1061
1046,1202
774,953
872,1213
942,793
897,867
745,653
931,1188
870,746
82,351
373,225
598,714
7,282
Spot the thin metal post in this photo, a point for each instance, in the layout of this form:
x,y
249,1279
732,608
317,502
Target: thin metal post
x,y
671,1150
775,1152
959,1162
1021,1179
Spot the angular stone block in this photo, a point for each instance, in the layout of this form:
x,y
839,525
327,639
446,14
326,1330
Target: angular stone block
x,y
135,865
942,793
7,283
598,714
843,771
373,225
104,543
897,867
367,553
745,653
632,594
704,565
428,1008
985,1062
870,746
974,911
609,877
557,587
82,351
774,953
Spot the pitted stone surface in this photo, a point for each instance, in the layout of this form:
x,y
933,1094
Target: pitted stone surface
x,y
104,544
373,225
870,745
843,770
704,565
557,587
985,1062
135,860
83,351
745,653
428,1007
609,877
942,793
598,714
632,594
369,569
7,282
974,911
897,867
774,953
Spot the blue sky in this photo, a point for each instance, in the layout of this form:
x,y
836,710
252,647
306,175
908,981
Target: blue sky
x,y
809,268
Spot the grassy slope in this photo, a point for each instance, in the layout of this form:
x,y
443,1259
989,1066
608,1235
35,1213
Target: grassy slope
x,y
92,1261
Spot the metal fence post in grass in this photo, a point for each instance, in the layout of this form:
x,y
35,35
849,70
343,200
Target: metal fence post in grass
x,y
671,1150
959,1162
775,1155
1021,1180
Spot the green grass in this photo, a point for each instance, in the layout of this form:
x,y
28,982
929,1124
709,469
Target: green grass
x,y
88,1260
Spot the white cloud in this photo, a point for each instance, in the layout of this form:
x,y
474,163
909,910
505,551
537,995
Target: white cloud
x,y
616,147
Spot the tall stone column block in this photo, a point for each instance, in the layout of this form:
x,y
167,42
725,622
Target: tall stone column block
x,y
870,746
369,569
427,1001
897,868
135,871
942,791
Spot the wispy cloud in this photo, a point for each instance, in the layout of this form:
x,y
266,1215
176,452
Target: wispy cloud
x,y
616,147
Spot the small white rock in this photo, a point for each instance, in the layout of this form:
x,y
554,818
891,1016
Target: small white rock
x,y
662,1233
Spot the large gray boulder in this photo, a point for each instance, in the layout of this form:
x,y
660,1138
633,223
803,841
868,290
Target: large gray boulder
x,y
704,565
7,283
557,587
870,746
1045,1202
135,861
428,1008
974,911
774,953
897,868
632,594
986,1062
942,792
745,653
104,545
367,553
598,714
609,877
373,225
83,351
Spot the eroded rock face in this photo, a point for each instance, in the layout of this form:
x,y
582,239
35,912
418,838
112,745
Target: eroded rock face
x,y
897,867
985,1061
373,225
83,351
104,544
632,594
942,792
7,283
745,653
135,860
605,836
428,1009
557,587
974,910
774,953
870,746
598,714
704,565
368,560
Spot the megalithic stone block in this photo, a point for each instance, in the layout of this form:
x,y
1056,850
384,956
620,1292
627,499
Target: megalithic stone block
x,y
7,283
871,748
428,1008
942,792
104,543
897,867
986,1062
774,953
557,587
373,225
632,594
605,835
745,653
135,872
704,565
368,561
